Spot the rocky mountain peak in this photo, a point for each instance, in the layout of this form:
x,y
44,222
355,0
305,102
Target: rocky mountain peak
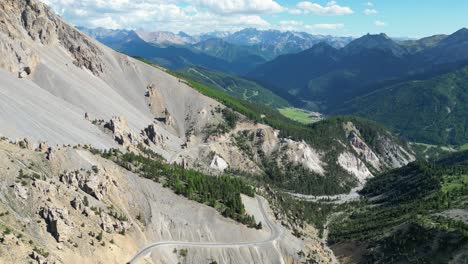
x,y
31,21
374,42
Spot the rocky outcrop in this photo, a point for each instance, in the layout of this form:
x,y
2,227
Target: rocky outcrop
x,y
300,153
152,135
387,153
110,225
354,166
32,21
95,184
58,223
218,163
122,133
20,191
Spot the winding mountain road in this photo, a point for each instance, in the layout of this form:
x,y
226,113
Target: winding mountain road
x,y
275,233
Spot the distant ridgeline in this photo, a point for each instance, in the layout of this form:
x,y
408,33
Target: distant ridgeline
x,y
418,88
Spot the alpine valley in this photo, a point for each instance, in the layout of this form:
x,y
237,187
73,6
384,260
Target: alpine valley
x,y
253,146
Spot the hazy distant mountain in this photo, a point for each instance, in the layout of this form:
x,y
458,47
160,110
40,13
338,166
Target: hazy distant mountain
x,y
282,42
323,77
265,43
166,38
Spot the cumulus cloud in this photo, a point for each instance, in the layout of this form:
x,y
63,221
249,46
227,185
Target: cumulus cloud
x,y
325,26
240,6
369,4
370,12
164,15
296,25
331,8
380,23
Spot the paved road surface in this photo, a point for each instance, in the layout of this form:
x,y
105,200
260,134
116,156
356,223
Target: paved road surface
x,y
275,232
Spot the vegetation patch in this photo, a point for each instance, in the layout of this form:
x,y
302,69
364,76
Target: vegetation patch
x,y
220,192
299,115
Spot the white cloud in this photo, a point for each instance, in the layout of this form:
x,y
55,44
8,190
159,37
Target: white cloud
x,y
380,23
295,11
369,4
370,12
325,26
240,6
295,25
331,8
163,15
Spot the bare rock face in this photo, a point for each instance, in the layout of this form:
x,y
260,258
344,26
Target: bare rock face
x,y
58,222
110,225
300,153
94,184
122,134
354,166
20,191
218,163
151,90
23,22
386,154
153,136
77,203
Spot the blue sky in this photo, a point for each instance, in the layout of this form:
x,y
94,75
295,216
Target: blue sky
x,y
397,18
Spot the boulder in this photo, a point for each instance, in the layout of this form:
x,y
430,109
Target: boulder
x,y
58,223
20,191
218,163
77,203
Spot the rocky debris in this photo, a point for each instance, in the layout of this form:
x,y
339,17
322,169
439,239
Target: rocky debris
x,y
300,153
152,135
386,154
364,150
118,126
122,134
43,260
87,212
25,144
33,21
94,184
20,191
24,72
44,148
151,90
58,222
77,203
83,58
356,141
169,120
218,163
110,225
44,187
38,258
9,239
354,165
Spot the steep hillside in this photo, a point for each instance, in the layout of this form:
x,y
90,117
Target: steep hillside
x,y
431,110
82,125
416,214
241,58
235,86
326,78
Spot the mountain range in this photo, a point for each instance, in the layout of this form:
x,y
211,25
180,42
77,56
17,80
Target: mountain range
x,y
240,51
106,158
